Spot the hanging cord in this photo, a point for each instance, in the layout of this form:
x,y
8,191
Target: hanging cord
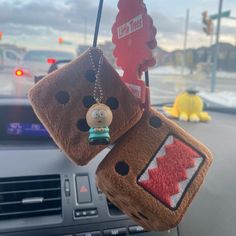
x,y
147,104
97,92
147,78
99,15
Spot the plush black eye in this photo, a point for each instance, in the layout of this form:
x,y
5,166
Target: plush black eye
x,y
122,168
88,101
62,97
90,76
113,103
155,122
82,125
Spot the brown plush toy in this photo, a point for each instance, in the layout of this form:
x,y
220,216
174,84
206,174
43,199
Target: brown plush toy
x,y
154,171
62,99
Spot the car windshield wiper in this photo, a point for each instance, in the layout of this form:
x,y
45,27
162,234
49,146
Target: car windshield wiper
x,y
207,107
222,109
161,104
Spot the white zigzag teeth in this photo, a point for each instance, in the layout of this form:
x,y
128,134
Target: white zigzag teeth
x,y
175,198
183,184
144,177
153,163
161,152
169,140
191,171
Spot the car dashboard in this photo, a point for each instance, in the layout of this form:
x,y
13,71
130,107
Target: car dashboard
x,y
44,193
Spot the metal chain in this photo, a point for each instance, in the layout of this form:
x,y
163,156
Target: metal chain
x,y
97,92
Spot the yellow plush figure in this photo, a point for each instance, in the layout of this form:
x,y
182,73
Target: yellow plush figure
x,y
188,107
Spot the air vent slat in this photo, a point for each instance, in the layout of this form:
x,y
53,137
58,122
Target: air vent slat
x,y
29,178
19,196
33,190
113,210
20,202
26,212
26,186
29,181
14,193
23,214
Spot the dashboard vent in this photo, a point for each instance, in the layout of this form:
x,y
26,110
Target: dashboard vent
x,y
113,210
30,196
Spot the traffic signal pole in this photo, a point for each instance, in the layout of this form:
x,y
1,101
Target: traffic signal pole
x,y
185,40
216,51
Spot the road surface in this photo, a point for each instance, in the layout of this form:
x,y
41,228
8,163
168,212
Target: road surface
x,y
6,83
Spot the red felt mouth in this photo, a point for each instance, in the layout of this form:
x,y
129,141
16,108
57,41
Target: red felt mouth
x,y
170,171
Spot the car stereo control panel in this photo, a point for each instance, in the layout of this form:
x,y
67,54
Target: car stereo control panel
x,y
44,193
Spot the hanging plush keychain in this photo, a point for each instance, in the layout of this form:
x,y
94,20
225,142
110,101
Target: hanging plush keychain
x,y
99,116
91,103
152,178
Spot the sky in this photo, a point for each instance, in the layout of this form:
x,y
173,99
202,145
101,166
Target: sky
x,y
38,24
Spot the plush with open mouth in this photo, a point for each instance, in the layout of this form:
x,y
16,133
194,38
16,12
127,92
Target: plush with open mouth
x,y
62,99
154,171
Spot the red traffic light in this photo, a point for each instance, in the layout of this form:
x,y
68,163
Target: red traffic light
x,y
60,40
1,34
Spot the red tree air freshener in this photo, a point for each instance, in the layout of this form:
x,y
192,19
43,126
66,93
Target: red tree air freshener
x,y
134,37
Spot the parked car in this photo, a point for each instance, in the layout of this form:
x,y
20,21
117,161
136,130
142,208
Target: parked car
x,y
35,63
8,59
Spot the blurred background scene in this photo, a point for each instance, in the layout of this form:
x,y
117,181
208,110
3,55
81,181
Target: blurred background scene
x,y
196,44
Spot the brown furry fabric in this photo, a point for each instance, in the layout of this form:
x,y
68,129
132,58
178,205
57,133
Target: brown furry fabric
x,y
61,101
119,174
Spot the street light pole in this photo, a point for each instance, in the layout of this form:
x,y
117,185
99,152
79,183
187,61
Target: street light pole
x,y
185,40
85,30
216,51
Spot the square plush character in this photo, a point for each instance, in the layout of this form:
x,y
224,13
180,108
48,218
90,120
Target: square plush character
x,y
154,171
62,99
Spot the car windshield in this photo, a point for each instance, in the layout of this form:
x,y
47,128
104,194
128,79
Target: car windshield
x,y
196,44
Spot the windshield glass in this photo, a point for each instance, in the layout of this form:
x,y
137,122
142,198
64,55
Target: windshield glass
x,y
43,56
194,51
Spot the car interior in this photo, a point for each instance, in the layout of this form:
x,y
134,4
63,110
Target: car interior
x,y
42,192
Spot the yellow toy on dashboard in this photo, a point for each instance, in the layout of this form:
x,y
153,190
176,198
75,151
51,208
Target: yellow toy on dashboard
x,y
188,106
